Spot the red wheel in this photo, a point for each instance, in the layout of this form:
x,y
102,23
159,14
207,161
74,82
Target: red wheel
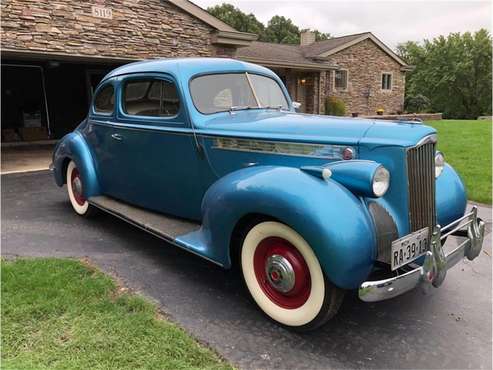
x,y
285,279
75,189
76,183
282,272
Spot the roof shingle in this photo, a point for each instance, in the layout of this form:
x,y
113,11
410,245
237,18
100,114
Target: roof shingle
x,y
306,55
319,47
278,53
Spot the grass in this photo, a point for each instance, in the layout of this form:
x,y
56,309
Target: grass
x,y
467,147
62,314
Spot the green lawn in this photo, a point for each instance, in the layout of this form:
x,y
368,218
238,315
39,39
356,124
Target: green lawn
x,y
467,147
61,314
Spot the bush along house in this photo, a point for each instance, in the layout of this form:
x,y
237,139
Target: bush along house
x,y
54,53
357,71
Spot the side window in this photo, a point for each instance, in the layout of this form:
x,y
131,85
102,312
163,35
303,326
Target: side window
x,y
386,81
341,79
104,102
150,97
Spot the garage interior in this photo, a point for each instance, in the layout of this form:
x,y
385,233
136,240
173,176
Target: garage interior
x,y
42,100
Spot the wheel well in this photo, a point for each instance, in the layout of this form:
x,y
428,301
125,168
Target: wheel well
x,y
65,163
240,230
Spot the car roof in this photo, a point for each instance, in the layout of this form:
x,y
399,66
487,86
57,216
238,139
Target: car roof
x,y
188,67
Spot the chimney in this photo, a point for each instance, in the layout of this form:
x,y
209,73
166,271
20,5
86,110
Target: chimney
x,y
307,38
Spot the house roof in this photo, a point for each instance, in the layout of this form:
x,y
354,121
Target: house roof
x,y
343,42
225,34
319,47
279,55
314,55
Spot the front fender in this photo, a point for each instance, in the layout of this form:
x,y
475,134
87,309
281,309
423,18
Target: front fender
x,y
73,147
332,220
451,196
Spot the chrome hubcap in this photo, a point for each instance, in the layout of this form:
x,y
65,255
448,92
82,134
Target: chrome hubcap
x,y
77,185
280,273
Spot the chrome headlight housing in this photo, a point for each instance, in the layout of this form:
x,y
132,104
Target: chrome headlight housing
x,y
439,163
380,181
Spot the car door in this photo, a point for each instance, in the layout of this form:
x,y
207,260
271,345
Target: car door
x,y
98,133
153,161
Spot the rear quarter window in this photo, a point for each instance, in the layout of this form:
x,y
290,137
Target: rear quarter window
x,y
104,101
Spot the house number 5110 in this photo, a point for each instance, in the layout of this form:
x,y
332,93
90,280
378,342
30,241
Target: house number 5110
x,y
101,12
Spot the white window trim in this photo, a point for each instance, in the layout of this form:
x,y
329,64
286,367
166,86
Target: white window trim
x,y
334,80
391,81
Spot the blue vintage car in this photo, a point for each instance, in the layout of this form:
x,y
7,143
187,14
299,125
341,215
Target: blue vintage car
x,y
211,156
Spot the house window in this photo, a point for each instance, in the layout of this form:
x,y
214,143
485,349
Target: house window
x,y
340,79
386,81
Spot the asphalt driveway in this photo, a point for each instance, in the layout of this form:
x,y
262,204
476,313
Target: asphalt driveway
x,y
451,328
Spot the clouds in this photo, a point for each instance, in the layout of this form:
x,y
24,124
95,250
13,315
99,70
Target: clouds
x,y
391,21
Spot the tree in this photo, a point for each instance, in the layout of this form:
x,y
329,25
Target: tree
x,y
237,19
416,103
282,30
454,72
279,29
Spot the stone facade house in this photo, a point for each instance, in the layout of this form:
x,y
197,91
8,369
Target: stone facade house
x,y
358,69
54,53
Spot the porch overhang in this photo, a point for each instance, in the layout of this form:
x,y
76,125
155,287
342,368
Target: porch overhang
x,y
237,39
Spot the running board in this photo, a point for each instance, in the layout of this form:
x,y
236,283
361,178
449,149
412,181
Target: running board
x,y
162,226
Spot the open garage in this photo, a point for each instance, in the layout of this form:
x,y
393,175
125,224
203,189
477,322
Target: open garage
x,y
54,55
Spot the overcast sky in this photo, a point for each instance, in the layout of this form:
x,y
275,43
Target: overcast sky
x,y
391,21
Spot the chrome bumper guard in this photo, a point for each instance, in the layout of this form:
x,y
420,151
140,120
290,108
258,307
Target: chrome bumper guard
x,y
436,264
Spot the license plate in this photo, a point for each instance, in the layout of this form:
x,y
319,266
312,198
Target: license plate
x,y
409,247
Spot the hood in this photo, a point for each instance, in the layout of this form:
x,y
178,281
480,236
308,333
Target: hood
x,y
290,126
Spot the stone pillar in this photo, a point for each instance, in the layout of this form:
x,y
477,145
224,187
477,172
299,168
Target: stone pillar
x,y
323,93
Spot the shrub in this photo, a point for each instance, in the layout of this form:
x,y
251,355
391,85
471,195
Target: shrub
x,y
334,106
417,103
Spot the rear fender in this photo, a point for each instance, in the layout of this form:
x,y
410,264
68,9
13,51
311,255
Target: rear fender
x,y
330,218
74,147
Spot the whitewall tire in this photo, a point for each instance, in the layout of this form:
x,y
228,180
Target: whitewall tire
x,y
285,278
75,188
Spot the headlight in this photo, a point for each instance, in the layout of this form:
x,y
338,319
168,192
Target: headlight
x,y
381,181
439,163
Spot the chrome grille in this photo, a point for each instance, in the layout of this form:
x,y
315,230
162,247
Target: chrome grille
x,y
421,179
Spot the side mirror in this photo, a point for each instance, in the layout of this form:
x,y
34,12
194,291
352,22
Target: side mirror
x,y
296,105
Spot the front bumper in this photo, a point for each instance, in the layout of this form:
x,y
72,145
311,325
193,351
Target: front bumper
x,y
436,264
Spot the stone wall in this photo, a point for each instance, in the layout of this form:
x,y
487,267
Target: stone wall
x,y
138,29
365,62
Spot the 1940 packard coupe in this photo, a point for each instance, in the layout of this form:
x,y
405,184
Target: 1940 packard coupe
x,y
211,156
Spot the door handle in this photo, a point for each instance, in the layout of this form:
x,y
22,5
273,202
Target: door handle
x,y
117,137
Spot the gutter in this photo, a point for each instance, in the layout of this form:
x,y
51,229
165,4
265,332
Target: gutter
x,y
287,64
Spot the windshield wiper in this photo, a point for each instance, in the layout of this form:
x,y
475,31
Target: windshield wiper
x,y
240,107
247,107
277,107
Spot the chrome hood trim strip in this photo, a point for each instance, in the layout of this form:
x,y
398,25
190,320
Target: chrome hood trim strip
x,y
325,151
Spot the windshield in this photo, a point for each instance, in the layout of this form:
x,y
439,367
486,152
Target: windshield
x,y
234,91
